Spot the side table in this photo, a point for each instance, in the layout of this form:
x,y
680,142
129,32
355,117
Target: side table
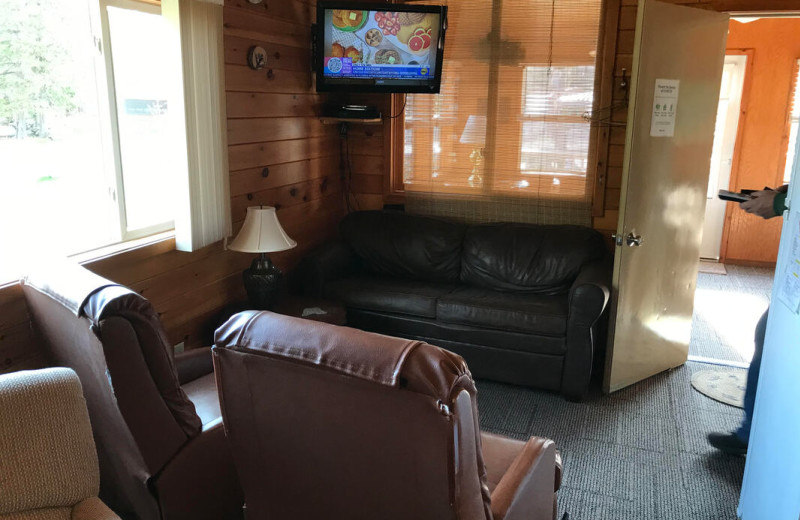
x,y
310,308
315,309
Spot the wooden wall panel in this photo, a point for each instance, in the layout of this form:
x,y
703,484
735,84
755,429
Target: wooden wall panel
x,y
280,154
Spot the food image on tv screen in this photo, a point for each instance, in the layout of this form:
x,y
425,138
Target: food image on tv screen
x,y
380,45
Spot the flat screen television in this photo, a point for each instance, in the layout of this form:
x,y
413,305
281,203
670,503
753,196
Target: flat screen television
x,y
379,47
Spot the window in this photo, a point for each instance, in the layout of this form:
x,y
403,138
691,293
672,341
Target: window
x,y
511,116
794,125
82,125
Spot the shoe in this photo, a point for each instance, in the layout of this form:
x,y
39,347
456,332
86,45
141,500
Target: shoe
x,y
728,443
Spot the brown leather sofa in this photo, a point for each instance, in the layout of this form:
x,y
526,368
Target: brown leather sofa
x,y
522,303
158,431
337,423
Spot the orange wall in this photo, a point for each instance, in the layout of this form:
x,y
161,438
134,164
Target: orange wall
x,y
763,138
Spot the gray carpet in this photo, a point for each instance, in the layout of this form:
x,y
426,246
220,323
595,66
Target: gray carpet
x,y
641,453
726,310
637,454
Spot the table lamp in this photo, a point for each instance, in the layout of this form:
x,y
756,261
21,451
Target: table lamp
x,y
262,233
475,134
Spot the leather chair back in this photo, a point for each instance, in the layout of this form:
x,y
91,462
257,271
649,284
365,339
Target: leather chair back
x,y
332,422
112,338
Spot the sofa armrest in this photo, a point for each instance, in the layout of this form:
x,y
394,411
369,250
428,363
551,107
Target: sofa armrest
x,y
589,293
193,364
527,489
329,262
92,509
588,298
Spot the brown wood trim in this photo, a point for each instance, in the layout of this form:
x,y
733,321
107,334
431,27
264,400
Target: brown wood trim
x,y
749,263
751,6
737,146
394,190
604,83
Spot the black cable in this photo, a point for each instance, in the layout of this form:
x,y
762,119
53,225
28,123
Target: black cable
x,y
351,202
405,97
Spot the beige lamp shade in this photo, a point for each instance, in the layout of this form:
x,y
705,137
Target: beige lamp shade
x,y
261,233
474,131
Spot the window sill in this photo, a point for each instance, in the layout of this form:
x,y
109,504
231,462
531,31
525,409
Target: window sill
x,y
105,252
121,247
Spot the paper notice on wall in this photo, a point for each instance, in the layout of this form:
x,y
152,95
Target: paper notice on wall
x,y
665,105
789,289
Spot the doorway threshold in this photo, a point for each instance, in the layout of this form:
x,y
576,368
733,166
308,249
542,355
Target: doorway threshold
x,y
721,362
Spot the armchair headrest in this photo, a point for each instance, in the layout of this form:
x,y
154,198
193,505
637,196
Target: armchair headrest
x,y
83,292
380,359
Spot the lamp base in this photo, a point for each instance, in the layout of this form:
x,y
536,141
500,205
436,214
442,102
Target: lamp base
x,y
262,281
475,179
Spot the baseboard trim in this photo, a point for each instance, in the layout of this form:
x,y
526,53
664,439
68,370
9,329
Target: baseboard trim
x,y
721,362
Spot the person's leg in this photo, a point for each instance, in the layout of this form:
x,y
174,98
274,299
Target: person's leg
x,y
736,443
743,432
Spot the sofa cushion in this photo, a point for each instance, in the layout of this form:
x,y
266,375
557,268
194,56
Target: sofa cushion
x,y
385,294
527,258
530,313
406,246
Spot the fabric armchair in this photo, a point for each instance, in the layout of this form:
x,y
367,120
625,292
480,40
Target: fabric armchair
x,y
48,462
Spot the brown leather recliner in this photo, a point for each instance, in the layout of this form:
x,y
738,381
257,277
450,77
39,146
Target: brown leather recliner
x,y
332,422
158,431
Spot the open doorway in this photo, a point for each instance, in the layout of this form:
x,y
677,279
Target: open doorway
x,y
757,126
722,152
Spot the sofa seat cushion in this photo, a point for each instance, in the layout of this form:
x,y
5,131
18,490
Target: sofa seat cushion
x,y
385,294
529,313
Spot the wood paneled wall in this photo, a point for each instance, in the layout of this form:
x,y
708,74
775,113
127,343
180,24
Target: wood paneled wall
x,y
279,154
369,152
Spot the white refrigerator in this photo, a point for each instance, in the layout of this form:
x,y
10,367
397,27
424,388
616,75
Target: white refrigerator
x,y
771,486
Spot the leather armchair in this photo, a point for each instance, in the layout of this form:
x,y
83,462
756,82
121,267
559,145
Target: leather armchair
x,y
48,462
161,446
333,422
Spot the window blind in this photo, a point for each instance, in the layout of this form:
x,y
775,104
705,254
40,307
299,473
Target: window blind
x,y
509,124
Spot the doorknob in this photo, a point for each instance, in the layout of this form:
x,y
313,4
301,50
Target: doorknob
x,y
633,240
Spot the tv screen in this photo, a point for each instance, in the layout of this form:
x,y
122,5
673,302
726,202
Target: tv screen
x,y
379,47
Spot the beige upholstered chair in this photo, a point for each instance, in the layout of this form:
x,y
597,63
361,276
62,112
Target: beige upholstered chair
x,y
48,462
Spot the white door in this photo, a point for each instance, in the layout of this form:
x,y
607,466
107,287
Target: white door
x,y
677,68
725,131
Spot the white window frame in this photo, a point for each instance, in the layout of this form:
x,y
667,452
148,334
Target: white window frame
x,y
106,88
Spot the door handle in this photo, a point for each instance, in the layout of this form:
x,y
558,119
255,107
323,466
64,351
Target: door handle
x,y
633,240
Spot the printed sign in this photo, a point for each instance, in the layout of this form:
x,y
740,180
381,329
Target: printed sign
x,y
665,105
789,289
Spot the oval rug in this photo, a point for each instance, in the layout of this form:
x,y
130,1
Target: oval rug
x,y
725,386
